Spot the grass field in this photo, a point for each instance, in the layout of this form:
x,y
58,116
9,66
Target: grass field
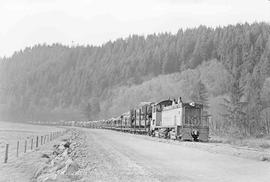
x,y
10,133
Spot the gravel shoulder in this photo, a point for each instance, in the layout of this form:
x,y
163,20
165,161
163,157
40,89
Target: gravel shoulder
x,y
115,156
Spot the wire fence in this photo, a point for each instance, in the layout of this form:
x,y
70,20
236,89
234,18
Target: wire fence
x,y
12,151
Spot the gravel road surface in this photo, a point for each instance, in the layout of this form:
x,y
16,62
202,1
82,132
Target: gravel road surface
x,y
116,156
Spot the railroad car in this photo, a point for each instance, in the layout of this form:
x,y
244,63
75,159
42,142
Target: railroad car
x,y
140,118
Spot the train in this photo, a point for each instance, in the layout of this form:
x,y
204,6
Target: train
x,y
170,119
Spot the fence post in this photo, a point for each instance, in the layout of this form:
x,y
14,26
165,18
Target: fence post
x,y
18,145
37,142
25,146
135,115
6,154
32,143
140,113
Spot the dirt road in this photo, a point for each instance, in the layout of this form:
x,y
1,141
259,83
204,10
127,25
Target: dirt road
x,y
115,156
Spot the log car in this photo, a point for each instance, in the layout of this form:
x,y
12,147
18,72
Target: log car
x,y
140,118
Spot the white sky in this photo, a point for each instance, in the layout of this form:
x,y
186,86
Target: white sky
x,y
28,22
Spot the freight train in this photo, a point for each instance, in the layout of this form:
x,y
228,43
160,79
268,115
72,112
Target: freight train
x,y
169,118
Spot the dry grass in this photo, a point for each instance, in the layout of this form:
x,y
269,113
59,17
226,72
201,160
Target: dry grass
x,y
257,143
265,145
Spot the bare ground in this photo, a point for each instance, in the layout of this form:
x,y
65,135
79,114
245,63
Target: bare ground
x,y
114,156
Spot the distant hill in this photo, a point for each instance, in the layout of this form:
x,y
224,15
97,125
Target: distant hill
x,y
53,82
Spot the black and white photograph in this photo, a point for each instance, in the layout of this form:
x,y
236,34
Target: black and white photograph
x,y
134,90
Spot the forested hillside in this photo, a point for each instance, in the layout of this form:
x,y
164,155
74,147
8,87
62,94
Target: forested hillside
x,y
232,63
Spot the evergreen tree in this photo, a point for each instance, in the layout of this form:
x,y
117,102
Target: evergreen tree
x,y
235,115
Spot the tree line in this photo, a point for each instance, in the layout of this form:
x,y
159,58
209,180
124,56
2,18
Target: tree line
x,y
52,82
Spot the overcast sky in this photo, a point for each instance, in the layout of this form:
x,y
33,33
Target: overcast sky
x,y
28,22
